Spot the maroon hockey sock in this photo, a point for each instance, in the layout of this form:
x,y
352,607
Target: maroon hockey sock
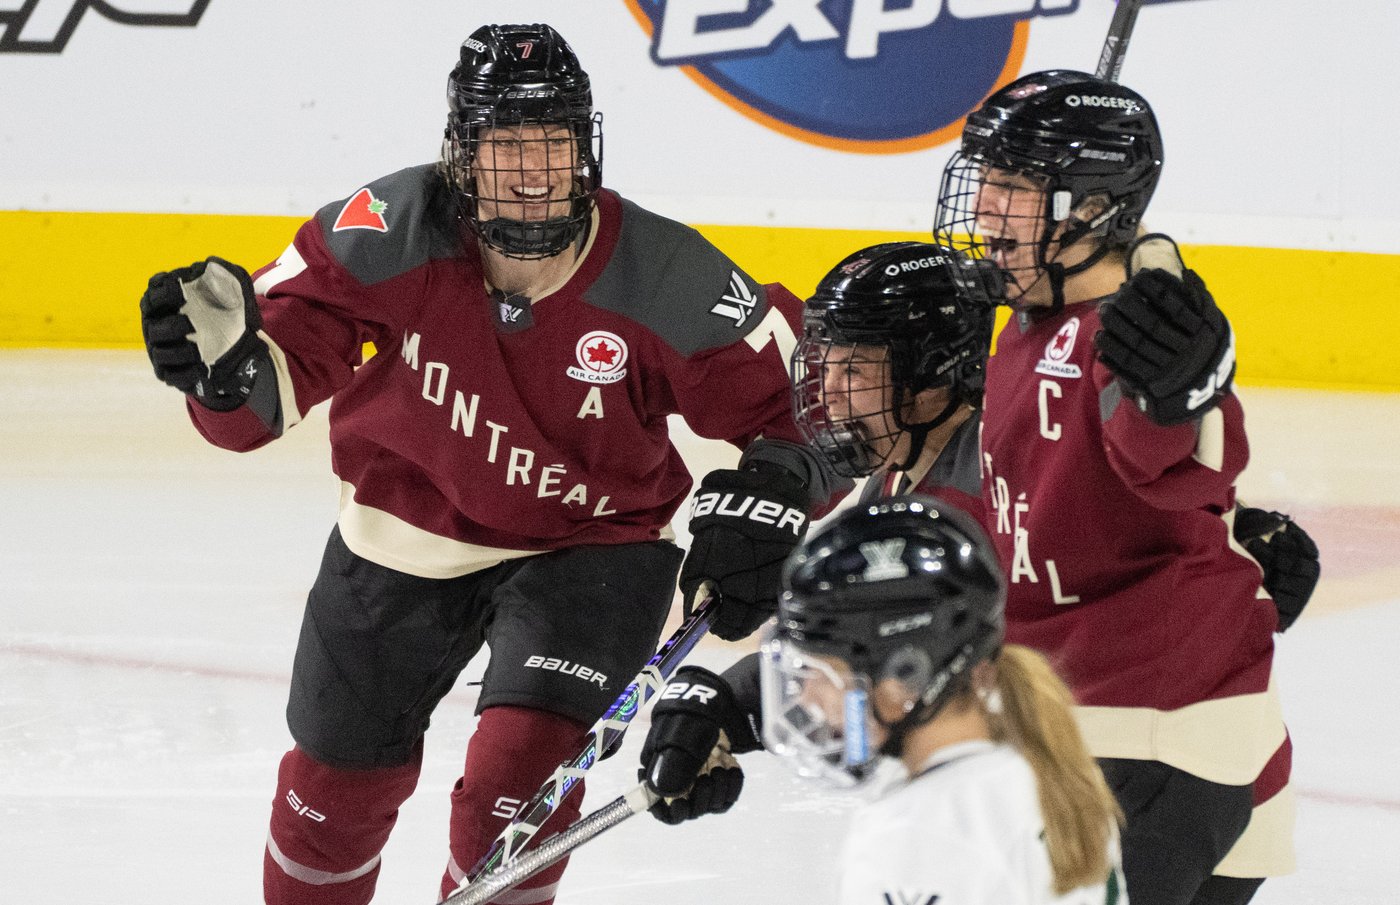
x,y
513,751
328,827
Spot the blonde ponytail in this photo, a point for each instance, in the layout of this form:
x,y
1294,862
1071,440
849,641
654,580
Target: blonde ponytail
x,y
1080,812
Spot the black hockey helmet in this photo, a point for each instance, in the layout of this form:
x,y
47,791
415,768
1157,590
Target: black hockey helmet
x,y
907,588
524,79
902,309
1092,146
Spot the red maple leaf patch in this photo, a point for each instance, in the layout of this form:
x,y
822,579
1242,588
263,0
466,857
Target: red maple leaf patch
x,y
601,353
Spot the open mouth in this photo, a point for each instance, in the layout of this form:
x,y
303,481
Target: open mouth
x,y
999,247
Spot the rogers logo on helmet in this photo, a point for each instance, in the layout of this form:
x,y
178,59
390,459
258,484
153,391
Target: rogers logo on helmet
x,y
910,266
474,45
1099,100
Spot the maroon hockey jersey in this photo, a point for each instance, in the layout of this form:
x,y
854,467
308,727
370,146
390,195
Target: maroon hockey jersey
x,y
1116,536
486,427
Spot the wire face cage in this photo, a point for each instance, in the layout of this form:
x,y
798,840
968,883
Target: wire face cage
x,y
525,184
845,402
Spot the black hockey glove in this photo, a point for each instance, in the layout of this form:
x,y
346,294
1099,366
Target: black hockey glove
x,y
743,525
696,728
1164,338
1286,553
200,324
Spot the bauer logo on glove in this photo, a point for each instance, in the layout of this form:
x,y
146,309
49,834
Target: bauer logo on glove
x,y
743,525
765,512
1218,382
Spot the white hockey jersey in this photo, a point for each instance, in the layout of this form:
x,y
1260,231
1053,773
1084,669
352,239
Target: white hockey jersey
x,y
967,830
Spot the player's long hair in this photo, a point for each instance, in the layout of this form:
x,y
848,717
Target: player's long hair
x,y
1081,814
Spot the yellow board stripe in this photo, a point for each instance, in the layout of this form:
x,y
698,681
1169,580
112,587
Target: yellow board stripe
x,y
1302,318
75,279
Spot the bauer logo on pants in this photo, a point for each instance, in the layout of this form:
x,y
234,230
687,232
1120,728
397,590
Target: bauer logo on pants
x,y
45,26
850,74
554,664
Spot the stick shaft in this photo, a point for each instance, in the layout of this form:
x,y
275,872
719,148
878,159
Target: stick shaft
x,y
1115,46
605,734
554,849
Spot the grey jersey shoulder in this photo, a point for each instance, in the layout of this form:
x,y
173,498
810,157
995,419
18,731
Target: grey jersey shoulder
x,y
669,278
959,465
392,225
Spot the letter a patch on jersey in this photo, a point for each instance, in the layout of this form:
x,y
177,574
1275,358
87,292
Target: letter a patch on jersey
x,y
362,211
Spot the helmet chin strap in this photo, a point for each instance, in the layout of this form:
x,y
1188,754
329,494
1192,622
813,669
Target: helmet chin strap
x,y
918,433
944,686
1057,272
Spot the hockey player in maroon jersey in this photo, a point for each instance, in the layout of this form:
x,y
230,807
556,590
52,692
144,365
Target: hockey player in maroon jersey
x,y
887,382
506,474
887,379
1111,442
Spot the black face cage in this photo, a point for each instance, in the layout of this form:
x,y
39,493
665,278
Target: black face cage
x,y
848,400
1008,225
525,186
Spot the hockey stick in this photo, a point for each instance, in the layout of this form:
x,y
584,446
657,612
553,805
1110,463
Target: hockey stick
x,y
635,800
1115,46
605,735
486,887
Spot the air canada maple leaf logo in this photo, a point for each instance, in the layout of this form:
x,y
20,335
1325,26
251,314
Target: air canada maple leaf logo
x,y
601,358
601,354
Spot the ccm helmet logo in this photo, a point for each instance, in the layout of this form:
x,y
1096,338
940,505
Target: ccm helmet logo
x,y
905,624
1099,100
765,512
684,691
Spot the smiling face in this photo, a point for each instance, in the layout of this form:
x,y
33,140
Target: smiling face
x,y
860,406
525,172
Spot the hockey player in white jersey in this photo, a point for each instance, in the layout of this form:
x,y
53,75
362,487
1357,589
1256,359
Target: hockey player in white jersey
x,y
889,643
